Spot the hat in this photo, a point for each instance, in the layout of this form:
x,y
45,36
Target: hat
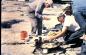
x,y
61,15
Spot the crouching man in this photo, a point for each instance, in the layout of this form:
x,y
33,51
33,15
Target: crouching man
x,y
70,31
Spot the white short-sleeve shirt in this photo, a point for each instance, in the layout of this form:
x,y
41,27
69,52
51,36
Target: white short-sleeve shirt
x,y
71,23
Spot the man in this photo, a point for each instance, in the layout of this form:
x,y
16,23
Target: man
x,y
79,11
70,26
35,12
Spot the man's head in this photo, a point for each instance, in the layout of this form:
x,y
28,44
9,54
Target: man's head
x,y
68,10
48,3
61,18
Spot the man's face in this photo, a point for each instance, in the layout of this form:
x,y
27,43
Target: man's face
x,y
61,19
47,5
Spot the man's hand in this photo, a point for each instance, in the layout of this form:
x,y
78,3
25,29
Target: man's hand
x,y
52,35
45,18
50,38
83,37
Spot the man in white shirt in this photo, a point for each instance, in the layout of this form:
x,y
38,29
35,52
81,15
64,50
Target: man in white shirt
x,y
70,27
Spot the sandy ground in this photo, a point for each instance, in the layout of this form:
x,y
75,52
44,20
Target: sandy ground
x,y
17,10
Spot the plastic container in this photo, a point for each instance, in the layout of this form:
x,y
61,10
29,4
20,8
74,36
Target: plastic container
x,y
23,35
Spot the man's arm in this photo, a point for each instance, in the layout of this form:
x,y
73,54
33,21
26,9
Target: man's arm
x,y
39,9
59,34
